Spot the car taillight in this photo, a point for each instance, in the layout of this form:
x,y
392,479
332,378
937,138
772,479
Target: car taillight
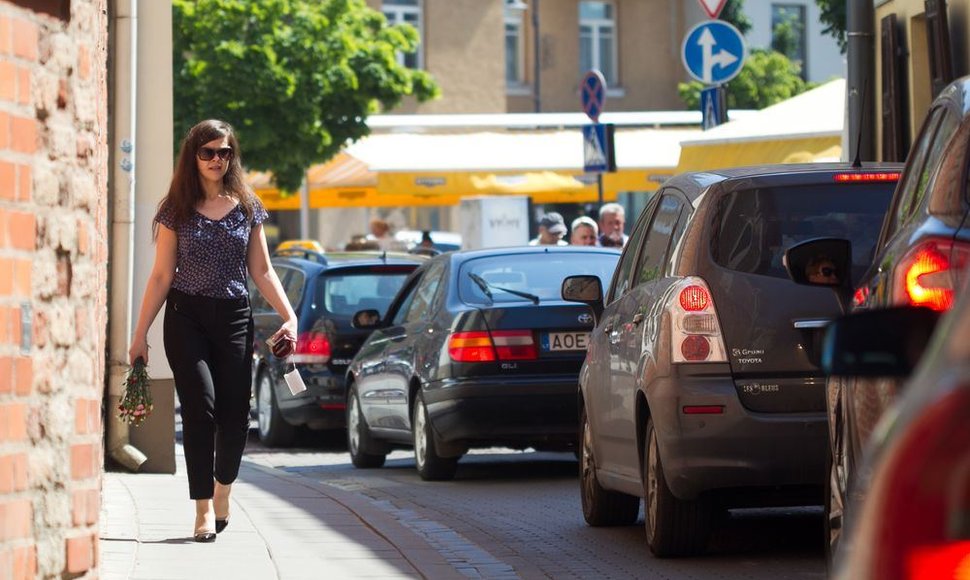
x,y
696,333
916,520
482,346
311,348
926,275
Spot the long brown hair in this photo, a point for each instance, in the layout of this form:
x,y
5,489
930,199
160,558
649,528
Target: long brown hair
x,y
186,192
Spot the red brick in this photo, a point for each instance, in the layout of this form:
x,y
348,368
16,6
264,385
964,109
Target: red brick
x,y
20,472
8,81
6,278
25,562
86,414
13,427
23,86
22,270
25,178
80,554
15,519
23,134
6,333
6,474
82,237
8,180
25,39
24,373
82,461
6,374
83,62
22,229
14,327
4,130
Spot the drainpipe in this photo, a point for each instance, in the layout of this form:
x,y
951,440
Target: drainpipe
x,y
122,155
861,79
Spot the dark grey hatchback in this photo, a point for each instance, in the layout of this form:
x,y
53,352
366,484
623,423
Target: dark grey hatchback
x,y
701,388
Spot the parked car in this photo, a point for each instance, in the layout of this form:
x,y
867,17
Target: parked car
x,y
921,256
701,388
914,520
324,291
441,241
478,349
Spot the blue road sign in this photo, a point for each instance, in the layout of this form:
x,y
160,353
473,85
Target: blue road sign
x,y
711,108
593,93
597,149
713,52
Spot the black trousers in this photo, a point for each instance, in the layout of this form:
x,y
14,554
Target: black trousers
x,y
209,345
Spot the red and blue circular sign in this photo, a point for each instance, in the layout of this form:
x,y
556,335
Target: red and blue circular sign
x,y
593,93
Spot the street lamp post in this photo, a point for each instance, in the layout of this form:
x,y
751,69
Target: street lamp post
x,y
861,78
537,94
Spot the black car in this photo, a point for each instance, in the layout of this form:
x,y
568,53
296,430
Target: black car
x,y
478,349
701,388
325,291
921,258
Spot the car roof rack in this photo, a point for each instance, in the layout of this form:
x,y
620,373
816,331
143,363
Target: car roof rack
x,y
310,255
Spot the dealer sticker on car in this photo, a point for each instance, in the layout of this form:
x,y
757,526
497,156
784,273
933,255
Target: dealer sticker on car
x,y
557,341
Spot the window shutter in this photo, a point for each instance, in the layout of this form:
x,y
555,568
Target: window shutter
x,y
938,34
893,111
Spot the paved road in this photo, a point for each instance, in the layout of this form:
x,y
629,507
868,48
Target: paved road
x,y
517,515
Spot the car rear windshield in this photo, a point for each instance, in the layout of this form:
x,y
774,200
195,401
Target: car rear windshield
x,y
539,274
346,293
754,227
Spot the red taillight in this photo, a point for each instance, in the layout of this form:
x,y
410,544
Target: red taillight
x,y
870,177
311,348
860,297
918,510
694,298
695,347
948,561
482,346
923,276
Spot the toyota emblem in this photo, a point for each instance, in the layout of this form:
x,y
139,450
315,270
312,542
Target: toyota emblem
x,y
585,318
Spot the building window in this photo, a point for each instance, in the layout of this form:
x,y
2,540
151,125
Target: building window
x,y
788,32
514,10
406,12
597,39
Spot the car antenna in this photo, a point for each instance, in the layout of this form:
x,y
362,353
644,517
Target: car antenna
x,y
857,162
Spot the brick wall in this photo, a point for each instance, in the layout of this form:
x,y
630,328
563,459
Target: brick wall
x,y
53,279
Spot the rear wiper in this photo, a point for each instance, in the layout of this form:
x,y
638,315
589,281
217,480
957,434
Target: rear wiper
x,y
485,286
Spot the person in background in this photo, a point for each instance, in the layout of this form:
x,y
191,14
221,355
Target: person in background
x,y
380,232
209,237
583,231
552,228
426,241
612,218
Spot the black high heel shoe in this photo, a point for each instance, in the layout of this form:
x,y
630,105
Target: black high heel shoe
x,y
221,524
205,536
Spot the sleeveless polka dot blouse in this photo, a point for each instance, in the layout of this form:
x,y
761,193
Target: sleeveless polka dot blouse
x,y
211,256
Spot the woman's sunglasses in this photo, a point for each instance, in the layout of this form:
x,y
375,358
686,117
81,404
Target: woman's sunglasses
x,y
208,153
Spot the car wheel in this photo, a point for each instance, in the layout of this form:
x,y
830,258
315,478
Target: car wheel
x,y
364,452
273,429
431,466
601,507
675,527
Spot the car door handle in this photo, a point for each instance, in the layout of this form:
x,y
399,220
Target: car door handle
x,y
638,318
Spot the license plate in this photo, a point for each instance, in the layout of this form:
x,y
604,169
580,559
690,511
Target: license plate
x,y
564,341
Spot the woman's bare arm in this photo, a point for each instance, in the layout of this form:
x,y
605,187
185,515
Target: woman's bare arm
x,y
159,282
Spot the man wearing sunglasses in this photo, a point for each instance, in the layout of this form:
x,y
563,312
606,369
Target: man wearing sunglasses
x,y
821,270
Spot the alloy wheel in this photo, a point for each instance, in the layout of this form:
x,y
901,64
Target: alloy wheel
x,y
651,500
353,423
264,404
420,435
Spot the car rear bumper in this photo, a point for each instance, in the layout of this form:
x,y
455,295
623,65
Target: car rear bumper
x,y
534,410
322,406
737,448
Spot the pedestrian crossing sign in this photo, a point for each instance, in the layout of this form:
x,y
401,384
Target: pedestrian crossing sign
x,y
598,153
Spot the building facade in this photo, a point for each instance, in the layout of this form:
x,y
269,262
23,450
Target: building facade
x,y
53,280
921,45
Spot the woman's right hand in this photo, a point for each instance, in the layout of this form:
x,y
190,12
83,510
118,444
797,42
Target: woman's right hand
x,y
139,348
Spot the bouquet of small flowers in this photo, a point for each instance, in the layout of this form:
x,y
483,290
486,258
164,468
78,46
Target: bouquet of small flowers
x,y
136,404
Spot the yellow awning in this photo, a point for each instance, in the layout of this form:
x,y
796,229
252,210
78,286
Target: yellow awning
x,y
703,157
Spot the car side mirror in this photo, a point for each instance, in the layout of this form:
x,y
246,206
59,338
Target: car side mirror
x,y
585,289
822,262
364,319
878,343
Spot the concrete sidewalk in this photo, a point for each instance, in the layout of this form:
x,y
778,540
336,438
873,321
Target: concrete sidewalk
x,y
282,526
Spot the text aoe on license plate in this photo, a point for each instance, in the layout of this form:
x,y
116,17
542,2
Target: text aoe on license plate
x,y
567,341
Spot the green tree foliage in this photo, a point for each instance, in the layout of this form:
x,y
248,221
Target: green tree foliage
x,y
766,78
832,15
786,35
296,78
733,12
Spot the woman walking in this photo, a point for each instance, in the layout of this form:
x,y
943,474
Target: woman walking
x,y
208,234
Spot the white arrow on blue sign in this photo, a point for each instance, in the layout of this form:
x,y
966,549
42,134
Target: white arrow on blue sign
x,y
713,52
